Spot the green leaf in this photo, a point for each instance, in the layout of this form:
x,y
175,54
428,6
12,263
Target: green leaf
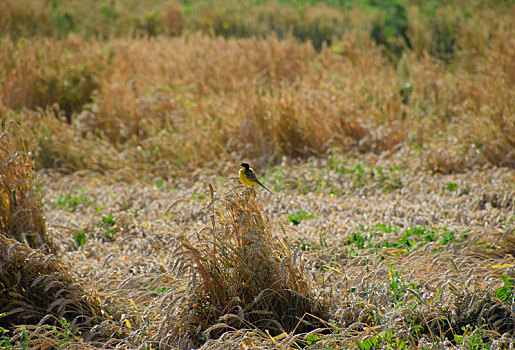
x,y
451,186
503,293
80,238
108,219
508,281
388,335
312,339
364,345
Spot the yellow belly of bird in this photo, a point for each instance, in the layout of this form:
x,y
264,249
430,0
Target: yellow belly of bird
x,y
245,179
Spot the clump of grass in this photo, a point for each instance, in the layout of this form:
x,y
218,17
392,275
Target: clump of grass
x,y
475,315
40,293
21,216
243,277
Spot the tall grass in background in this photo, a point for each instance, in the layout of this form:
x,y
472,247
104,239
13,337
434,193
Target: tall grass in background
x,y
367,76
396,24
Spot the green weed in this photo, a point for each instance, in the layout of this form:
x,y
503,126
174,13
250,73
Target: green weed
x,y
108,219
304,244
198,195
66,334
402,241
359,178
62,335
303,188
336,165
124,205
5,341
471,338
277,178
390,27
399,288
451,186
71,202
299,216
157,289
381,340
312,339
25,336
507,291
108,224
80,238
387,179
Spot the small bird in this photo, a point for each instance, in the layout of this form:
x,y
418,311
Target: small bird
x,y
248,177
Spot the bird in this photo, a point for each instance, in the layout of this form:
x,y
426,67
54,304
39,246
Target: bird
x,y
248,177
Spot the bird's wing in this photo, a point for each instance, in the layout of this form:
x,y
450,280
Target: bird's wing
x,y
252,176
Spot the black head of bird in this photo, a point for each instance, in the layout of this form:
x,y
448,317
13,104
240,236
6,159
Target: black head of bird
x,y
245,165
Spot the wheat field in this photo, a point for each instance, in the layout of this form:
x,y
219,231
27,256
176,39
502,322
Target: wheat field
x,y
385,130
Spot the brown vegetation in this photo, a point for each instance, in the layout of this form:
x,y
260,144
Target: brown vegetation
x,y
39,297
39,294
193,99
249,279
388,130
21,216
171,102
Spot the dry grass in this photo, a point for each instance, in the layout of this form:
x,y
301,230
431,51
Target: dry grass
x,y
21,216
221,271
39,293
244,277
391,220
317,22
171,103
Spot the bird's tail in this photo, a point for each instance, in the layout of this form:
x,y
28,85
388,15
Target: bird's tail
x,y
264,187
